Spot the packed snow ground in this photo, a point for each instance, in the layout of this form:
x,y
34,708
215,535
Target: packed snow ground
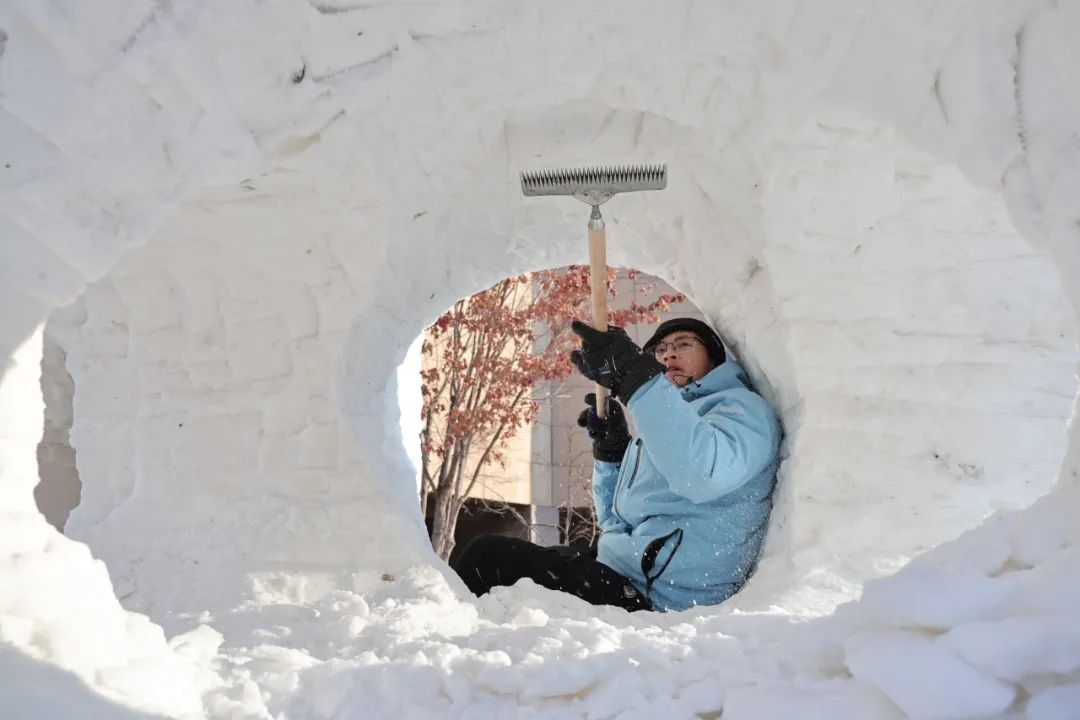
x,y
876,203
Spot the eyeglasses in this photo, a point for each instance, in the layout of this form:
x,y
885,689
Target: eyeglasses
x,y
679,347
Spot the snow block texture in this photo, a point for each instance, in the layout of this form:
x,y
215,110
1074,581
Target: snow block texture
x,y
250,209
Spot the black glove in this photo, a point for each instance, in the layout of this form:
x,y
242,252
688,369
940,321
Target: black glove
x,y
612,359
610,435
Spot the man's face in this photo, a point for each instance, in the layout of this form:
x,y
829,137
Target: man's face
x,y
684,356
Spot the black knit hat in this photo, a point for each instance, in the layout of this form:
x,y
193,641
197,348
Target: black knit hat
x,y
713,345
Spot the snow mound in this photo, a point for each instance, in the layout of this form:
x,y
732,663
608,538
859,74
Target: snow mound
x,y
248,210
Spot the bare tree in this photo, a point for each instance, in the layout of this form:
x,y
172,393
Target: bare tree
x,y
577,522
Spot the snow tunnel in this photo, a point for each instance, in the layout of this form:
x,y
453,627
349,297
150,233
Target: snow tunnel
x,y
234,220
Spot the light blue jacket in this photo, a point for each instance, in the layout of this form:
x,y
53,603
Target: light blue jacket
x,y
693,490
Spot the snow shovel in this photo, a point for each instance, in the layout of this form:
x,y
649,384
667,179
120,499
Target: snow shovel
x,y
595,186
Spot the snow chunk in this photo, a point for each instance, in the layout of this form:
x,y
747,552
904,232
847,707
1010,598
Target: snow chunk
x,y
1059,703
1012,649
903,600
824,701
200,644
1050,588
923,677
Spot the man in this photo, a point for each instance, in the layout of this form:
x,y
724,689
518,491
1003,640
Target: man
x,y
684,506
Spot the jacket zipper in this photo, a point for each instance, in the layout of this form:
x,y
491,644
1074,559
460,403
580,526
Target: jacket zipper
x,y
618,490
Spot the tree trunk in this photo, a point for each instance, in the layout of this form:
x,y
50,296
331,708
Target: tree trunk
x,y
444,523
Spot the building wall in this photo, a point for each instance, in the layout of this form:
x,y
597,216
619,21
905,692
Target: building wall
x,y
511,483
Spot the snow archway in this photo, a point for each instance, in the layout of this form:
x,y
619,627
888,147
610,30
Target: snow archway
x,y
352,172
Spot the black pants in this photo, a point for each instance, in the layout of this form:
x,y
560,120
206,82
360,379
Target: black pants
x,y
491,560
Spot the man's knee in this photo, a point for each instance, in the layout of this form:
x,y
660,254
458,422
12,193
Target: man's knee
x,y
489,560
478,552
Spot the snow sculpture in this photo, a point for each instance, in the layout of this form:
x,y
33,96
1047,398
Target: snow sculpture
x,y
265,202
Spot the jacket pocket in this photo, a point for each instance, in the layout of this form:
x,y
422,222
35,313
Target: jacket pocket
x,y
652,551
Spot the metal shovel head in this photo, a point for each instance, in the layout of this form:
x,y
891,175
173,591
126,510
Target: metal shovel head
x,y
594,185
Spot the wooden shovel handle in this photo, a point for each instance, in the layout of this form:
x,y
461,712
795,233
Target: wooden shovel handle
x,y
598,284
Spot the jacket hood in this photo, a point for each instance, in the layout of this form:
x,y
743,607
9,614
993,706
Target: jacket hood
x,y
726,376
